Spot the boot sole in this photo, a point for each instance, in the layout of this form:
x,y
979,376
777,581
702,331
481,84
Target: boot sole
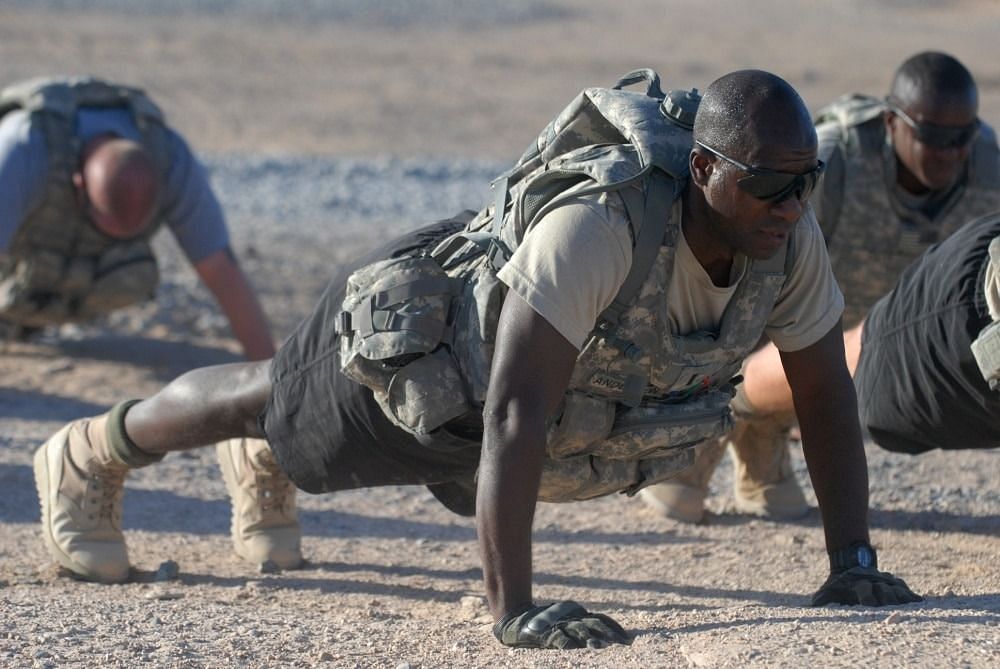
x,y
43,483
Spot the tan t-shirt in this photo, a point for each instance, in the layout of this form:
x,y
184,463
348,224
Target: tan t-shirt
x,y
570,266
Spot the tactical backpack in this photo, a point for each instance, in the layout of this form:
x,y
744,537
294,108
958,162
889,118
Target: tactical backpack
x,y
405,316
60,267
420,330
847,112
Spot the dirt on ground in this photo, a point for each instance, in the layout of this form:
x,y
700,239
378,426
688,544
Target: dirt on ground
x,y
393,579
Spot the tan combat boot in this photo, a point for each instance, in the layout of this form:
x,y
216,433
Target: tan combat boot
x,y
265,525
80,479
683,497
764,483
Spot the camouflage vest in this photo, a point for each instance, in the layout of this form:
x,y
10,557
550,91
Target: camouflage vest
x,y
60,267
872,237
420,331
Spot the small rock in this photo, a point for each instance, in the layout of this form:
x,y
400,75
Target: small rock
x,y
167,571
471,602
325,656
58,367
893,618
404,665
162,594
269,567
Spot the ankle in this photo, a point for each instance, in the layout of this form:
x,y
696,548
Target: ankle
x,y
121,446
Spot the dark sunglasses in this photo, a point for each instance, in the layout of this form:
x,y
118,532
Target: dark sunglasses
x,y
938,136
771,185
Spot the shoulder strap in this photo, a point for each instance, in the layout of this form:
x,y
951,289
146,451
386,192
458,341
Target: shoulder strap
x,y
661,190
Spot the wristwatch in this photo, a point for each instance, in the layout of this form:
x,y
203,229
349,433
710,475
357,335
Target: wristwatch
x,y
858,554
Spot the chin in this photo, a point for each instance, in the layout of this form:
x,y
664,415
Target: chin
x,y
938,181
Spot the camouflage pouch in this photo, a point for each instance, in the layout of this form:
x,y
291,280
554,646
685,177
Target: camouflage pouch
x,y
392,327
125,274
582,422
48,288
647,429
588,476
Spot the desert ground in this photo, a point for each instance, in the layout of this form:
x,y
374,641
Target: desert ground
x,y
327,126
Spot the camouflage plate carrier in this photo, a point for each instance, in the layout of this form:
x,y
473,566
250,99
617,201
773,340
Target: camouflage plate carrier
x,y
420,331
60,268
871,236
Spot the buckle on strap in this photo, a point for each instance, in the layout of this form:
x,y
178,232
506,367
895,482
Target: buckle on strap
x,y
342,322
497,253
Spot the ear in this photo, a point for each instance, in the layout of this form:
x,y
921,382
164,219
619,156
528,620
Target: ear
x,y
701,166
889,118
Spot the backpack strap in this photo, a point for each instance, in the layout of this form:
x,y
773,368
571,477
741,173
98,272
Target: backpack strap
x,y
661,190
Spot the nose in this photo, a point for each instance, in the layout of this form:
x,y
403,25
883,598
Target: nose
x,y
788,210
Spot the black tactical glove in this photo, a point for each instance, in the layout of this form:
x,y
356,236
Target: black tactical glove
x,y
561,625
866,586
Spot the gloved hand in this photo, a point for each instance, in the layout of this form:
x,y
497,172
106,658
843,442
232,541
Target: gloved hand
x,y
561,625
866,586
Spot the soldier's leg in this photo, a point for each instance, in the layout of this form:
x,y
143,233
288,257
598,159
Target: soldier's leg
x,y
80,471
224,404
201,407
683,497
763,481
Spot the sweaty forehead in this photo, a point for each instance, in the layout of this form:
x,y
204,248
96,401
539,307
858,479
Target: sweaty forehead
x,y
781,142
944,110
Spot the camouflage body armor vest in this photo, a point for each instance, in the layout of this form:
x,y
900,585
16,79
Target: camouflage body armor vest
x,y
871,236
60,268
420,331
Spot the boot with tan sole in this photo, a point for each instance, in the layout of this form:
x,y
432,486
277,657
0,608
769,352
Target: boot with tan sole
x,y
683,497
265,525
80,475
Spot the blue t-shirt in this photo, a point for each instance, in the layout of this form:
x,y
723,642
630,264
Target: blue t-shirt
x,y
188,206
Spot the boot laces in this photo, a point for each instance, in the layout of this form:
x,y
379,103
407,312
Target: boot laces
x,y
271,483
108,488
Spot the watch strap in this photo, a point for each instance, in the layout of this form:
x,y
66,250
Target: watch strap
x,y
858,554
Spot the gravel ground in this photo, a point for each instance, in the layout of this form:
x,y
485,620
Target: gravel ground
x,y
393,579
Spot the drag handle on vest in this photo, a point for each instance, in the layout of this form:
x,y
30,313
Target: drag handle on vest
x,y
646,74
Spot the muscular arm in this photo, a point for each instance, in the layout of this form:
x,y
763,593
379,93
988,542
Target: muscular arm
x,y
236,297
531,370
826,405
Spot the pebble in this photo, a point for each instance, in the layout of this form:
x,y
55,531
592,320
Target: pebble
x,y
472,602
893,618
167,571
162,594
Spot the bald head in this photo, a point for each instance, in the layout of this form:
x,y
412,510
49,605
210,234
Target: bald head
x,y
933,80
743,111
121,185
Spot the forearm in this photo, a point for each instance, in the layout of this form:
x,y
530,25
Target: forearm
x,y
249,325
834,451
509,474
227,282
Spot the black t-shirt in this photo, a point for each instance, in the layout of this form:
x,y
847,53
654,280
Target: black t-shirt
x,y
919,387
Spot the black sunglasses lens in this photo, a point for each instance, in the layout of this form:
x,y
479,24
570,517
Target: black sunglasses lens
x,y
779,187
946,137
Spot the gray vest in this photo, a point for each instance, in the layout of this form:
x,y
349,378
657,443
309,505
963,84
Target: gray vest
x,y
60,267
872,237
